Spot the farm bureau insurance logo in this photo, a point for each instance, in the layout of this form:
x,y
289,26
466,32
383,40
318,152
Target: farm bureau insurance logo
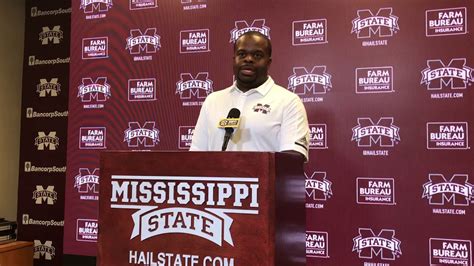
x,y
194,41
140,43
318,136
42,195
54,35
87,183
374,79
191,87
379,191
141,89
383,245
48,88
143,4
367,134
199,214
87,230
91,91
381,24
92,138
438,76
447,136
44,250
47,142
448,21
241,27
318,188
185,137
309,84
450,252
146,135
95,48
306,32
440,191
317,244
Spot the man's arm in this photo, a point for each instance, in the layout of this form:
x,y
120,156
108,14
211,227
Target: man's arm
x,y
294,135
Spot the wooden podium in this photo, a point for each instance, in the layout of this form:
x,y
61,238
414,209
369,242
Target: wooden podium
x,y
201,208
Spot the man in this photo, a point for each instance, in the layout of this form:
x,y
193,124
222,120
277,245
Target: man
x,y
272,118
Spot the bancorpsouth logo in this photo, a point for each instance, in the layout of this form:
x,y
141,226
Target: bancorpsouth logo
x,y
450,252
439,190
29,167
87,182
35,12
28,220
54,35
185,137
146,42
191,87
48,195
384,245
193,4
317,244
380,191
48,88
381,24
92,138
142,4
91,91
367,133
208,202
309,84
318,188
95,48
306,32
455,75
194,41
448,21
44,250
318,136
47,142
87,230
145,135
447,135
242,27
34,61
141,89
374,79
30,113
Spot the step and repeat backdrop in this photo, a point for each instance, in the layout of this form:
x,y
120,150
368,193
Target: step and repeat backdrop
x,y
387,86
45,93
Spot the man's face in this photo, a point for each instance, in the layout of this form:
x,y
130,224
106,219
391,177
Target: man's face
x,y
251,61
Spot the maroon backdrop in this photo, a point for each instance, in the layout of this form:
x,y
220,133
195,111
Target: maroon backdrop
x,y
388,90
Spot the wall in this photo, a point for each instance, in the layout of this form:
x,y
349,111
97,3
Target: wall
x,y
12,21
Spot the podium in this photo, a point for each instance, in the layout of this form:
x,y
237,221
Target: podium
x,y
201,208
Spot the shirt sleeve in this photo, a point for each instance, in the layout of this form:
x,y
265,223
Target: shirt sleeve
x,y
294,128
200,135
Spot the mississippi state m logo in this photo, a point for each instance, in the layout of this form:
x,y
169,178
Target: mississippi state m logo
x,y
383,23
98,90
317,81
143,42
45,250
91,6
317,186
242,27
199,86
383,245
367,133
456,190
51,88
54,35
48,195
146,135
87,181
438,75
49,141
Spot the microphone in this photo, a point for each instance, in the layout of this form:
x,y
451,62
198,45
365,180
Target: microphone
x,y
232,121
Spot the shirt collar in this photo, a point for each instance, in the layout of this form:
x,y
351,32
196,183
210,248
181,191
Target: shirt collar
x,y
262,89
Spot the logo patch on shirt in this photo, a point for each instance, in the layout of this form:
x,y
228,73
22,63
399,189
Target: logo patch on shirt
x,y
263,108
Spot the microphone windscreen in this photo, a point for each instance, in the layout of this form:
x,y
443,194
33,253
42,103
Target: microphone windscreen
x,y
234,113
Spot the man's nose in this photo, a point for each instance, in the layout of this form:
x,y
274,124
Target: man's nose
x,y
248,58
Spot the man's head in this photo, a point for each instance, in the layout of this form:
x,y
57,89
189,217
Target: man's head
x,y
252,58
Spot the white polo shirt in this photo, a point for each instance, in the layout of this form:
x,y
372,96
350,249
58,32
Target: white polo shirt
x,y
271,119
